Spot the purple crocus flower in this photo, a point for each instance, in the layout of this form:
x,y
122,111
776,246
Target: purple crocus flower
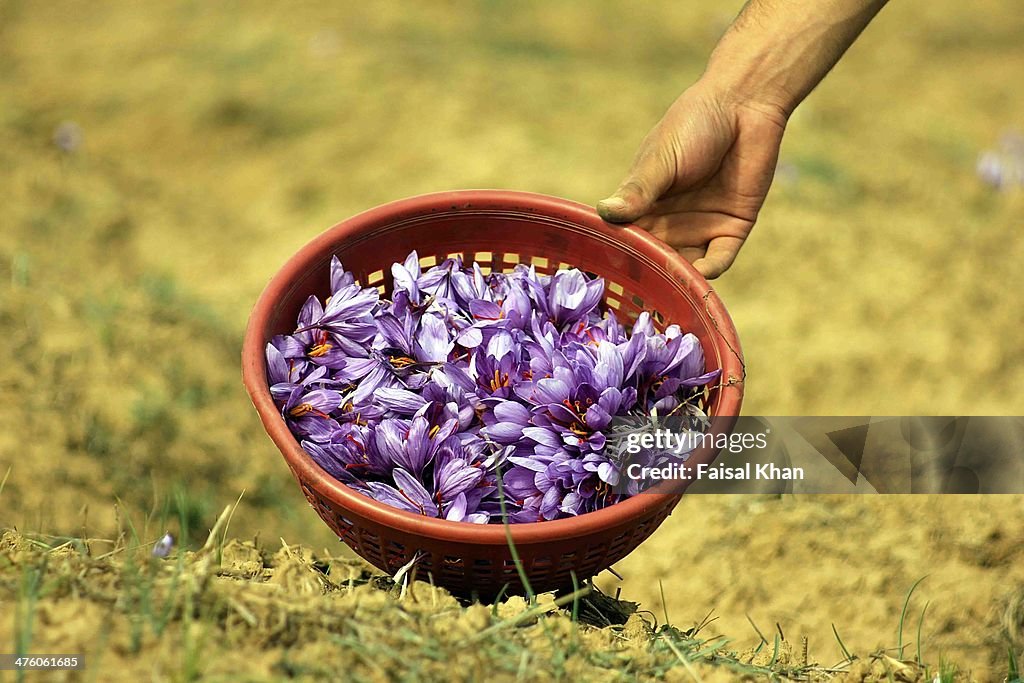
x,y
455,476
308,412
411,444
407,494
571,297
439,283
496,369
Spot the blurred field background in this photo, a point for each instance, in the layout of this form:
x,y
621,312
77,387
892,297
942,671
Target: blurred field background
x,y
159,161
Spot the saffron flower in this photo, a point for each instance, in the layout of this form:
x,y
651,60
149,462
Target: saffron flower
x,y
464,387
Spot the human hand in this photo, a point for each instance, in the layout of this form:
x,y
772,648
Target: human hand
x,y
701,176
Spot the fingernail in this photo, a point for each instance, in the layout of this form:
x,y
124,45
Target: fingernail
x,y
613,204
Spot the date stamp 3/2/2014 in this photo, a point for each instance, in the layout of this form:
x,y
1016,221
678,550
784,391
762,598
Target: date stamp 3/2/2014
x,y
41,662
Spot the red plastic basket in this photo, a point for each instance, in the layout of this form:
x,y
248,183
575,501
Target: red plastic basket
x,y
498,229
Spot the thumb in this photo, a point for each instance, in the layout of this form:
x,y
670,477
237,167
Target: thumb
x,y
632,200
637,193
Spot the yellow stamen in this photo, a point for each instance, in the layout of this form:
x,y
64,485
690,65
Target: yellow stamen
x,y
306,409
434,430
300,410
499,380
319,350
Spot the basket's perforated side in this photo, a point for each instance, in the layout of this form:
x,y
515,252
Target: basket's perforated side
x,y
467,574
625,304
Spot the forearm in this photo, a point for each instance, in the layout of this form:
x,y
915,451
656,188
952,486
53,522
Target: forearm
x,y
777,51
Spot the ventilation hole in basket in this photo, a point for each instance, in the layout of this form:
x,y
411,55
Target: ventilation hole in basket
x,y
453,561
486,270
564,266
543,563
455,255
565,577
428,261
612,303
658,317
380,288
510,258
539,261
375,277
619,543
615,287
483,257
638,302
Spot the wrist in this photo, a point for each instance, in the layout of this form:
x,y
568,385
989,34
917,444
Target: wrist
x,y
752,78
770,60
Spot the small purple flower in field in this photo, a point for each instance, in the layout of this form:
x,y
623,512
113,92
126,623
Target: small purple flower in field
x,y
426,400
68,137
164,546
1003,168
990,169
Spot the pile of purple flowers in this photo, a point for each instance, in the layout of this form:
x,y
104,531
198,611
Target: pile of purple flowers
x,y
424,401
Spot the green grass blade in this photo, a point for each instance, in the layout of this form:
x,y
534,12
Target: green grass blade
x,y
576,602
920,624
664,605
903,614
842,646
531,598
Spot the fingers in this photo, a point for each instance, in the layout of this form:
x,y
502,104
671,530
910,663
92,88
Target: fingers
x,y
631,201
692,254
720,255
647,180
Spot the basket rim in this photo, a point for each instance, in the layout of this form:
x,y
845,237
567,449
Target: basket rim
x,y
254,371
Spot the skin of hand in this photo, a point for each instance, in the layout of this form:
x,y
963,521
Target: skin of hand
x,y
702,174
